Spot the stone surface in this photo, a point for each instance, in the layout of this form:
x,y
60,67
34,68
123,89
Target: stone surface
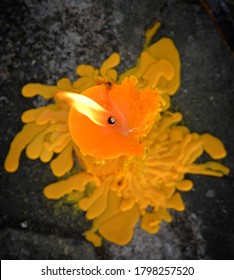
x,y
42,41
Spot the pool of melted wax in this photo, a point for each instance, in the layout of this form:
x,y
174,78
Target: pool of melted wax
x,y
206,109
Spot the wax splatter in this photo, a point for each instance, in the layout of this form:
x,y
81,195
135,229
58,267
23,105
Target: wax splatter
x,y
133,151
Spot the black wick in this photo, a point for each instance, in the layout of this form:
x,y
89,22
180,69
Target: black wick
x,y
111,120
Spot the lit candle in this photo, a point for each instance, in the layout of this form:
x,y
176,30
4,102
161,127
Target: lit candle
x,y
107,121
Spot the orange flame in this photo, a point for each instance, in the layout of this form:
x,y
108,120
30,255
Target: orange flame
x,y
86,106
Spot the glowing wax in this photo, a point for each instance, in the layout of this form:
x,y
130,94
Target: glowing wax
x,y
126,104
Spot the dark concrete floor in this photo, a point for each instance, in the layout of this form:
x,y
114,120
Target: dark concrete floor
x,y
42,41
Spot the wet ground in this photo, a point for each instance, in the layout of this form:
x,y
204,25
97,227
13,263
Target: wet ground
x,y
42,41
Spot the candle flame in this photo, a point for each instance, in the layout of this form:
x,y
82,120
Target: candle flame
x,y
86,106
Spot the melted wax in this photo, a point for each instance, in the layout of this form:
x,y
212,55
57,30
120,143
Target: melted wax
x,y
133,151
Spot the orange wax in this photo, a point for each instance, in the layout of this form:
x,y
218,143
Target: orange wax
x,y
119,126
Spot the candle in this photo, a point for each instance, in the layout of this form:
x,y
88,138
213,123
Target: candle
x,y
133,151
117,116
